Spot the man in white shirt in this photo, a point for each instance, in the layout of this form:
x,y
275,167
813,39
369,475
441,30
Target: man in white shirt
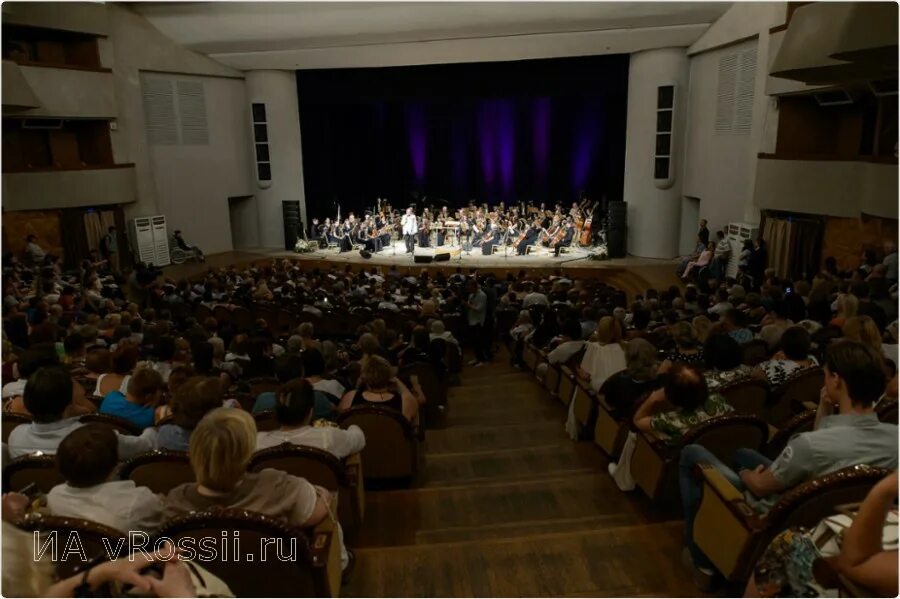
x,y
534,298
410,227
48,393
34,251
294,411
87,458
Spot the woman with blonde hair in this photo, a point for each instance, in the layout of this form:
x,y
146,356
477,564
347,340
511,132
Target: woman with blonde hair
x,y
847,307
701,325
220,450
864,330
604,355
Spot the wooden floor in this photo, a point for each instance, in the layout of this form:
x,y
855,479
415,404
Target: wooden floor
x,y
507,505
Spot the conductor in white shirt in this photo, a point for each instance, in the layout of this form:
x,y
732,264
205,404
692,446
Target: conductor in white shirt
x,y
294,412
410,228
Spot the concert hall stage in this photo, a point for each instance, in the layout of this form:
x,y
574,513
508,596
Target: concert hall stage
x,y
634,275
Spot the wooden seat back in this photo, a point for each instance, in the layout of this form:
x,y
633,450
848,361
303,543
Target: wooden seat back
x,y
160,470
733,535
392,449
259,572
39,469
121,426
787,398
746,396
567,385
95,540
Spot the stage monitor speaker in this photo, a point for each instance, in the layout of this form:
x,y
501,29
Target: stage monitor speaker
x,y
365,254
423,259
293,226
444,257
616,243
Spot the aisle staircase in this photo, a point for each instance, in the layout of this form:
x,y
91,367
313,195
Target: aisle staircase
x,y
508,505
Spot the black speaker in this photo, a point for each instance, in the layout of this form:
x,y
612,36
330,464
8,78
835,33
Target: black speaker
x,y
293,226
618,216
616,243
365,254
442,257
423,259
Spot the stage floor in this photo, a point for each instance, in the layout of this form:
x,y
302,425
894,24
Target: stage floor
x,y
632,274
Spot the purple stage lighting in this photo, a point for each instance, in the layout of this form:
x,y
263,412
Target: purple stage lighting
x,y
586,136
506,143
418,134
541,137
486,141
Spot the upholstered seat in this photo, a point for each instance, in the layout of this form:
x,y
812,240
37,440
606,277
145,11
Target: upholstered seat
x,y
609,432
801,423
263,385
746,396
160,470
39,469
788,398
321,468
392,448
733,535
654,464
585,408
122,426
567,385
314,569
94,540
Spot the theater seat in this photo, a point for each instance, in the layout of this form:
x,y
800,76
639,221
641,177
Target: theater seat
x,y
654,464
266,421
585,408
122,426
263,385
392,448
788,398
39,469
321,468
746,396
552,378
94,539
609,433
887,411
567,385
530,356
160,470
314,571
733,535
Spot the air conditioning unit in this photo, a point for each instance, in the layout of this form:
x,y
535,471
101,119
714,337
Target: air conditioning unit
x,y
884,87
42,123
151,240
834,97
736,233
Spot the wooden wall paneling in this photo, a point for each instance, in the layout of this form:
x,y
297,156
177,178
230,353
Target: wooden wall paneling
x,y
64,146
846,238
43,223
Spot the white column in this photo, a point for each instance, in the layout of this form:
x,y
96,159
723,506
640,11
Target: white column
x,y
278,91
654,206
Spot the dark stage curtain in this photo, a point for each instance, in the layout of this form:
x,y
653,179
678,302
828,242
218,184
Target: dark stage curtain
x,y
540,131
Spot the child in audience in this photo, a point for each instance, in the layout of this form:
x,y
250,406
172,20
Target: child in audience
x,y
145,391
87,458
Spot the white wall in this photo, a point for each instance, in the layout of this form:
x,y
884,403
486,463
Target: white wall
x,y
193,182
278,91
654,207
720,168
190,184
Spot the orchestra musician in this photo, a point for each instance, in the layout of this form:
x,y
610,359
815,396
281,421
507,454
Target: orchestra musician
x,y
564,237
491,238
529,237
410,227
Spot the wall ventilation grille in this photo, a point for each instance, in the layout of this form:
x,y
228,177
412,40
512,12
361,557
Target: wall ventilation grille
x,y
735,91
175,111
